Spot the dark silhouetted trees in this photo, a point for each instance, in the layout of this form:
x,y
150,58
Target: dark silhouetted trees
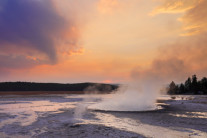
x,y
172,88
188,84
191,86
31,86
194,87
203,85
181,88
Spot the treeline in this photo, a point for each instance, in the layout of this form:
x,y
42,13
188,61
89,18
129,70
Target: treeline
x,y
191,86
32,86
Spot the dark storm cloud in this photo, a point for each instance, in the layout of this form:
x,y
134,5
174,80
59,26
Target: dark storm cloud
x,y
32,24
7,61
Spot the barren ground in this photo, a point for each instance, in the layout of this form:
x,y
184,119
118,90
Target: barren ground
x,y
67,116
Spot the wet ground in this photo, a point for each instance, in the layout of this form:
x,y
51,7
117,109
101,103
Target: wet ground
x,y
67,116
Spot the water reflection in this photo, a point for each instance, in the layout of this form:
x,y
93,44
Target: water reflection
x,y
26,110
190,114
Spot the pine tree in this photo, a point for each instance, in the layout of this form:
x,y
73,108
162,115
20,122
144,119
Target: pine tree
x,y
194,87
188,84
182,88
203,84
172,88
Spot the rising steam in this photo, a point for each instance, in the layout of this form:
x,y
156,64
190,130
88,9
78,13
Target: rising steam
x,y
128,100
139,95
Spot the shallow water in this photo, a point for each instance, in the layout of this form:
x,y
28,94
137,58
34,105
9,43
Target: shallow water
x,y
27,109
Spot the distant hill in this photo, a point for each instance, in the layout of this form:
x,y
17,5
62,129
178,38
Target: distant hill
x,y
33,86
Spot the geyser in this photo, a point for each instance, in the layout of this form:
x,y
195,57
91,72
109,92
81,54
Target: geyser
x,y
130,98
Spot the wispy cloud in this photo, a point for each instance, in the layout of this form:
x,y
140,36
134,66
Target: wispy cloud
x,y
187,55
174,6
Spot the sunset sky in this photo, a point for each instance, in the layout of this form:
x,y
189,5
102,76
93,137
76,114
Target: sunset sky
x,y
108,41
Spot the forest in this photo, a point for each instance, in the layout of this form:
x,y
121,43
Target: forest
x,y
32,86
191,86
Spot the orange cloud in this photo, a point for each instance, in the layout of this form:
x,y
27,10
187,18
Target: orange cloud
x,y
69,43
174,6
109,6
194,19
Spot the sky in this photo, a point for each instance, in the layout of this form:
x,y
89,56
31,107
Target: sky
x,y
107,41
